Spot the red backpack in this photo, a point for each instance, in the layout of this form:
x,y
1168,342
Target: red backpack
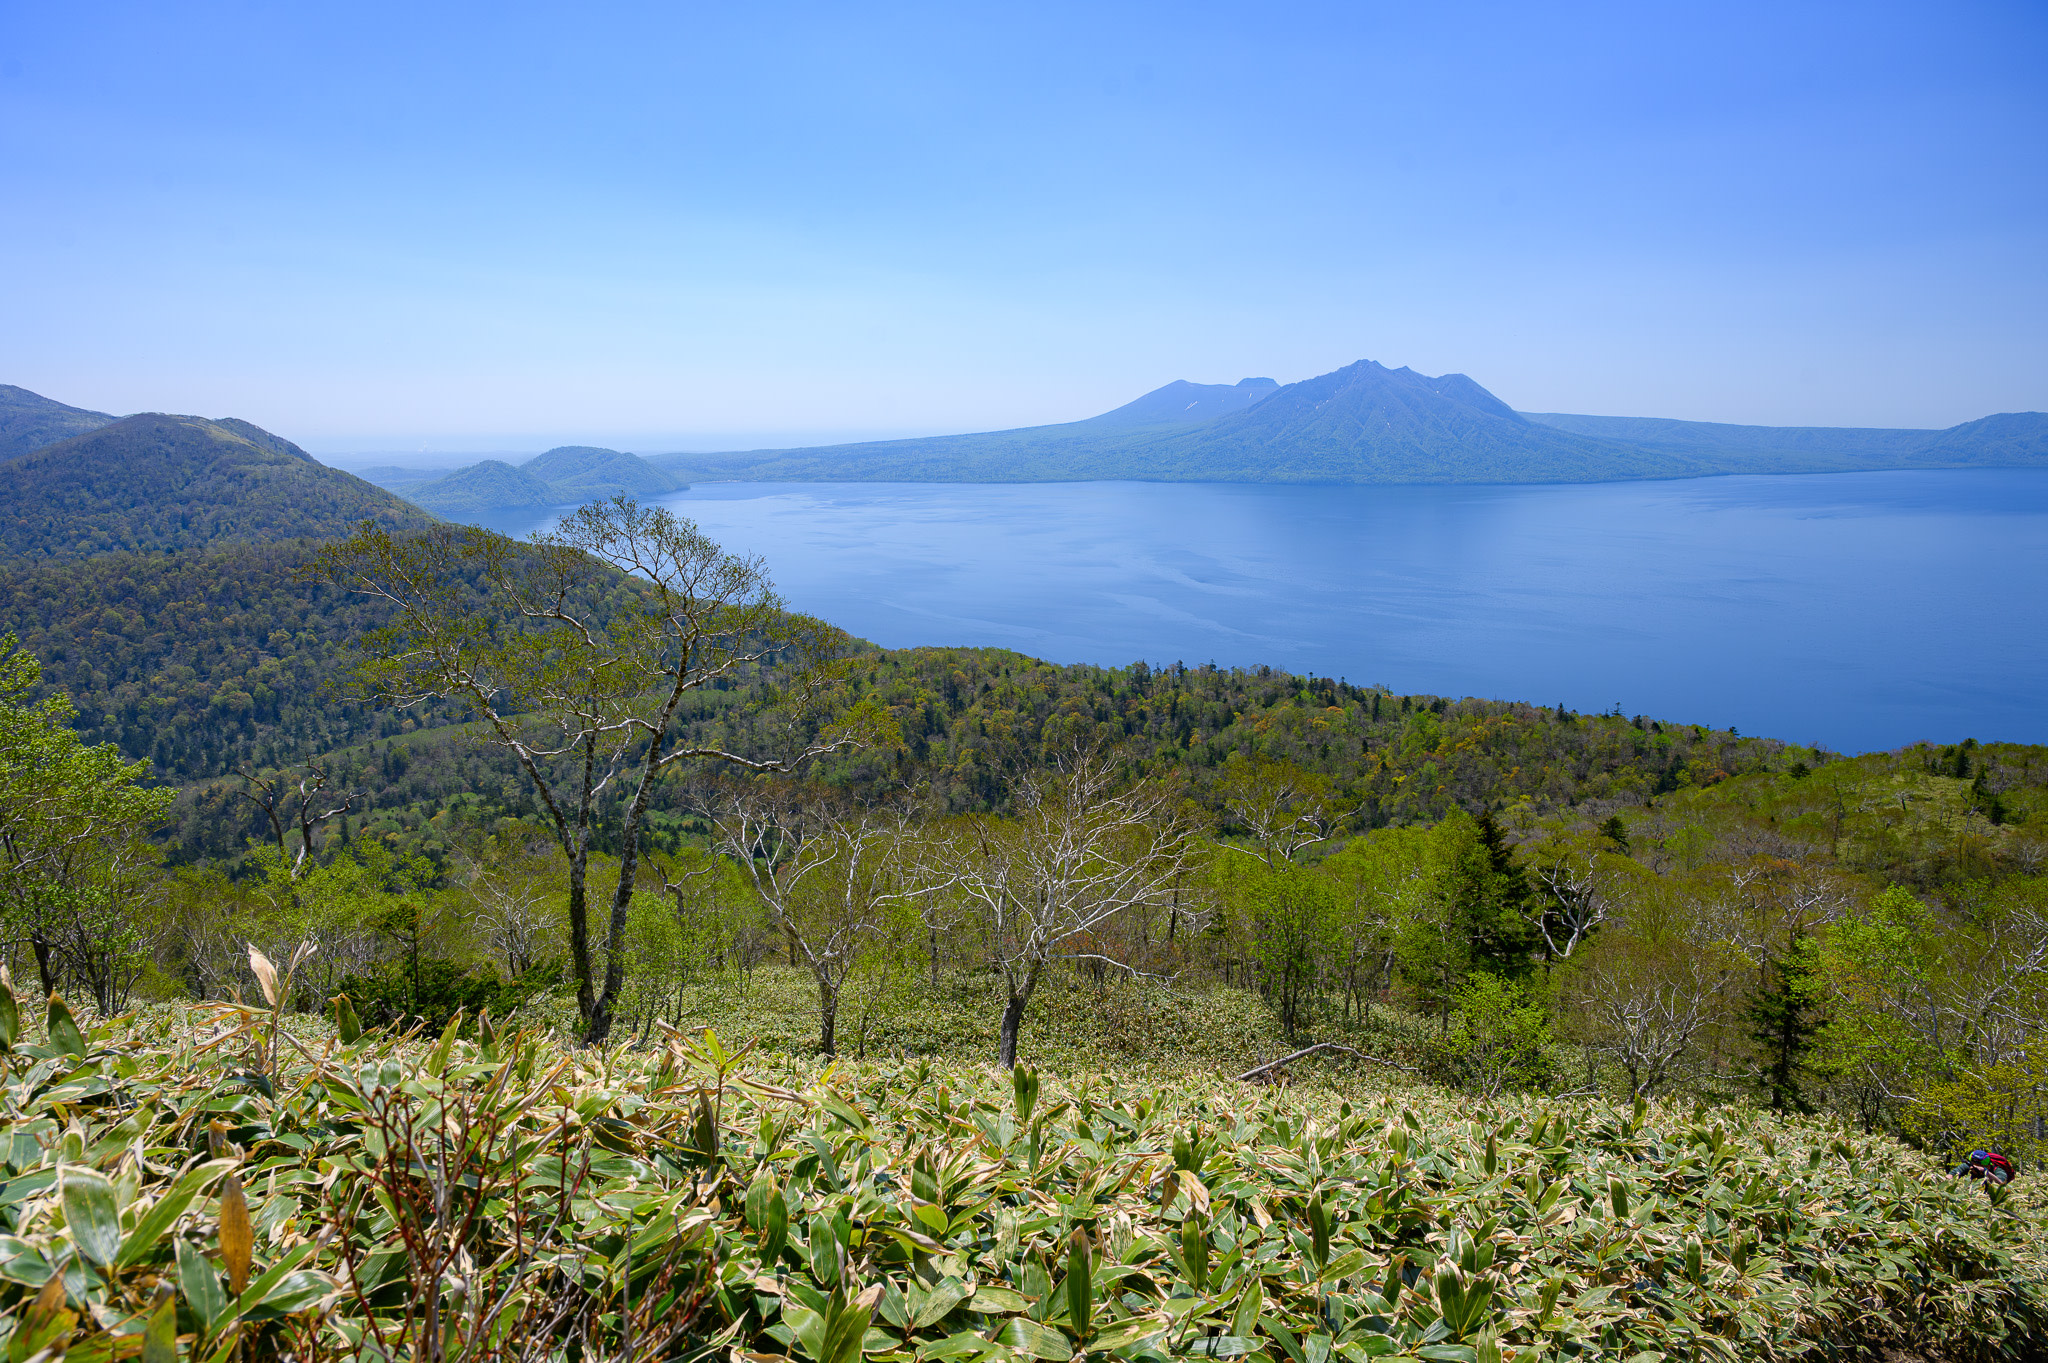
x,y
1988,1164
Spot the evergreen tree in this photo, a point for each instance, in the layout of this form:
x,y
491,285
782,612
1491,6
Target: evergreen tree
x,y
1473,915
1785,1018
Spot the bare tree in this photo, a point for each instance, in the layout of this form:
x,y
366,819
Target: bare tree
x,y
1082,850
828,872
1285,809
576,652
1645,1006
1580,886
314,806
514,899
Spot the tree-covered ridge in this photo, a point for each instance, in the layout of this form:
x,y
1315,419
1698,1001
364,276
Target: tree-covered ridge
x,y
972,717
156,483
29,421
492,485
587,473
207,662
975,721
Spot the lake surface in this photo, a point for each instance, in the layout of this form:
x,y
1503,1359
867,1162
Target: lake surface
x,y
1861,611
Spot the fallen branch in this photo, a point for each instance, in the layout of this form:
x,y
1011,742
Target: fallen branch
x,y
1251,1074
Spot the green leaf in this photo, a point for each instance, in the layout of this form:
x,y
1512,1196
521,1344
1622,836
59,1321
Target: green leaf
x,y
20,1262
64,1033
156,1222
437,1059
1319,1232
1040,1341
758,1192
201,1284
997,1301
1123,1334
1282,1336
939,1303
1345,1265
1080,1285
1024,1084
347,1026
10,1016
775,1233
807,1330
295,1292
845,1328
1221,1346
160,1336
92,1214
1245,1320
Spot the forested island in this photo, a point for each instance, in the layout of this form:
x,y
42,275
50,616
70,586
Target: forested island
x,y
421,942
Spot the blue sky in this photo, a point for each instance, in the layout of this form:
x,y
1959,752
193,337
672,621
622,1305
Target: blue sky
x,y
502,226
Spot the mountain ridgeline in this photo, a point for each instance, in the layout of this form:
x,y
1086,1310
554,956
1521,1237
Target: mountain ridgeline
x,y
1367,423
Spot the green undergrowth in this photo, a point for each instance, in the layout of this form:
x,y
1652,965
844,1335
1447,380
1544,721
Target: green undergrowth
x,y
206,1183
1073,1024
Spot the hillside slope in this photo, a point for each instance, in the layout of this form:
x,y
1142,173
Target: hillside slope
x,y
200,661
1181,402
493,485
156,483
582,473
29,421
2008,440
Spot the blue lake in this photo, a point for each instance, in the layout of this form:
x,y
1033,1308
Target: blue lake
x,y
1861,611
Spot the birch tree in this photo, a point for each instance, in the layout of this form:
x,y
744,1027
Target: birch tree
x,y
576,651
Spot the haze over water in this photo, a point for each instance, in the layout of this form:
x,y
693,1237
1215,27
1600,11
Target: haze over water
x,y
1862,611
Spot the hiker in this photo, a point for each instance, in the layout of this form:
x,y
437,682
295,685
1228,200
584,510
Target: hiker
x,y
1989,1165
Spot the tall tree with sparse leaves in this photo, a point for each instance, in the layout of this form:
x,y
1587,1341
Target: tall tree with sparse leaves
x,y
575,651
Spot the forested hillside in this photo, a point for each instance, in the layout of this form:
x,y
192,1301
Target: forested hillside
x,y
155,483
568,475
201,662
974,721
